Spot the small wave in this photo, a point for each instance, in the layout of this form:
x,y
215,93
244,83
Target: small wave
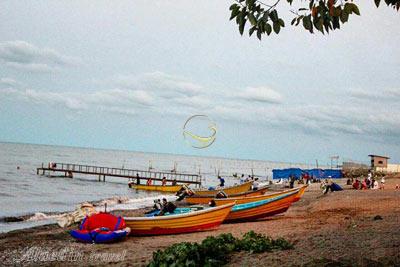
x,y
40,216
5,195
138,203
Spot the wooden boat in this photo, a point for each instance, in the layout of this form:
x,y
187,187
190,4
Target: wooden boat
x,y
195,199
162,188
300,193
261,209
248,199
194,221
236,189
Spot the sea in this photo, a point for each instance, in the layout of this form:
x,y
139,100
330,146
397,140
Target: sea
x,y
40,199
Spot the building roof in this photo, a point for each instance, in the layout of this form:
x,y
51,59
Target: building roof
x,y
377,156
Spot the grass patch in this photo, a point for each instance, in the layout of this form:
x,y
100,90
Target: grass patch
x,y
215,251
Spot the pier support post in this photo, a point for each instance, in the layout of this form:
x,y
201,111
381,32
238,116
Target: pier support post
x,y
99,177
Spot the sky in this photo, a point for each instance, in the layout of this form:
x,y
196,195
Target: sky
x,y
128,74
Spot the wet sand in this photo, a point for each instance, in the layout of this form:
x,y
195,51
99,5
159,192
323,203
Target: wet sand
x,y
327,230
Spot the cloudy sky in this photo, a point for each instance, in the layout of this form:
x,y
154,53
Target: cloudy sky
x,y
127,75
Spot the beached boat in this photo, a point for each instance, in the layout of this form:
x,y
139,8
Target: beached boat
x,y
193,221
261,209
248,199
162,188
300,193
205,199
231,190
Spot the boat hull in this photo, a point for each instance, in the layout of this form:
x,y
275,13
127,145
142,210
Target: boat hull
x,y
237,189
248,199
261,209
205,199
176,224
300,193
161,188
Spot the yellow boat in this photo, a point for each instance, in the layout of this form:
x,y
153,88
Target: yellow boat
x,y
162,188
236,189
196,199
300,193
248,199
194,221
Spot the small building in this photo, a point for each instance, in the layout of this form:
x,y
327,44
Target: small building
x,y
379,163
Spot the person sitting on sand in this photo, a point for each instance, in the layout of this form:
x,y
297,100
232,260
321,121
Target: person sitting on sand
x,y
164,181
364,185
356,184
166,207
375,184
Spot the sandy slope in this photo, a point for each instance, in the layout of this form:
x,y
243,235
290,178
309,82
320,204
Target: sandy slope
x,y
337,228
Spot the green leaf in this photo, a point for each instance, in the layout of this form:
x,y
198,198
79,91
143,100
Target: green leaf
x,y
281,22
277,27
293,21
274,15
268,28
344,16
307,23
252,29
259,34
252,19
241,26
377,2
355,9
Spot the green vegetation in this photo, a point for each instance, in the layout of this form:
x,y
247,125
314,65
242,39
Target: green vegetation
x,y
314,15
215,251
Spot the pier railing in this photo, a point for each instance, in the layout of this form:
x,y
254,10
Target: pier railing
x,y
68,169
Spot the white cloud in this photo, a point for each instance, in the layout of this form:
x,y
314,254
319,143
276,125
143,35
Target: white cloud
x,y
25,56
8,82
260,94
166,94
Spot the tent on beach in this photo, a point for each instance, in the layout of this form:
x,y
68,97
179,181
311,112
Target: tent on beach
x,y
297,173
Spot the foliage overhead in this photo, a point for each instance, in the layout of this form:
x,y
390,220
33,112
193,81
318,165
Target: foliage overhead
x,y
318,15
214,251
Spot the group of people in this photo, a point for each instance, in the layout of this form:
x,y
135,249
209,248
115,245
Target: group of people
x,y
150,181
367,183
163,207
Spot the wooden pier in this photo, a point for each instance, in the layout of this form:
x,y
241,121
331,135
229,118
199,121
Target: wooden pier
x,y
68,170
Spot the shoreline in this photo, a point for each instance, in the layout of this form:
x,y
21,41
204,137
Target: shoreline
x,y
336,227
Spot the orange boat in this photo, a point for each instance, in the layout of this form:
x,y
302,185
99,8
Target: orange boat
x,y
300,193
196,199
193,221
262,208
236,189
248,199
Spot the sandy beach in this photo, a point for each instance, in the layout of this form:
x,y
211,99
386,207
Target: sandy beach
x,y
327,230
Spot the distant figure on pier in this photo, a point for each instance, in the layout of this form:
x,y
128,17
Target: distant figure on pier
x,y
221,181
164,181
137,178
149,181
174,182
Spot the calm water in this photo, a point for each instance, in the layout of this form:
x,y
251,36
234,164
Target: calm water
x,y
23,192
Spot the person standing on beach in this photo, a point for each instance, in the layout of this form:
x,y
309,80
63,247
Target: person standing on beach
x,y
221,181
383,182
291,181
164,181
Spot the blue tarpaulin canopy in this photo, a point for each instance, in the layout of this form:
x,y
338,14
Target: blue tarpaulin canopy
x,y
297,173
